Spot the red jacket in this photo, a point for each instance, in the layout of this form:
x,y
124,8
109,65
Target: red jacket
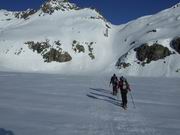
x,y
123,85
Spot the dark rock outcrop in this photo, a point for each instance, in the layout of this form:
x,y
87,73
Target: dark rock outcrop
x,y
25,14
91,55
121,62
54,5
48,53
77,47
150,31
55,55
175,44
132,43
142,52
123,65
39,46
90,48
146,53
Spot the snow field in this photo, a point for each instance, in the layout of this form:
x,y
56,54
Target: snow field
x,y
57,104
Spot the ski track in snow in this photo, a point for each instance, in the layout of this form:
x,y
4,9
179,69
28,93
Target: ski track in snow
x,y
35,104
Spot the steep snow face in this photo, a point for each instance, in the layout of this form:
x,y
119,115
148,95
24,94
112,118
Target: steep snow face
x,y
62,38
65,31
160,28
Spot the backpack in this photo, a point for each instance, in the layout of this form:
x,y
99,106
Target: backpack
x,y
124,84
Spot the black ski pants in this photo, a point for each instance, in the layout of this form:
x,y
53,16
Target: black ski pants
x,y
114,89
124,98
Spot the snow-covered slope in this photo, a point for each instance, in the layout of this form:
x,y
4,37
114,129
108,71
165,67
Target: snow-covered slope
x,y
160,28
62,38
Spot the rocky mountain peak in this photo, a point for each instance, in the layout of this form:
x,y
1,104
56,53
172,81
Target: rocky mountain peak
x,y
177,5
56,2
49,7
54,5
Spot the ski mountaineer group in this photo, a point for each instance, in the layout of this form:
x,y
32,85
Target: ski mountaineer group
x,y
121,85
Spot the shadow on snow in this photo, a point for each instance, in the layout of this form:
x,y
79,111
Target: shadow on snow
x,y
103,97
101,90
5,132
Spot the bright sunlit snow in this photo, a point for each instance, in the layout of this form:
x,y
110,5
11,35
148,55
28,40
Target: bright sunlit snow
x,y
110,42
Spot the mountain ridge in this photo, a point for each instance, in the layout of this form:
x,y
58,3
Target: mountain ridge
x,y
85,43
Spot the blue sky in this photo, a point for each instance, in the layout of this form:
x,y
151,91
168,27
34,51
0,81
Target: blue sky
x,y
115,11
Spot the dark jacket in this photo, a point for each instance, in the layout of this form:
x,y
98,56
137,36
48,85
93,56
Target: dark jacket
x,y
114,80
123,85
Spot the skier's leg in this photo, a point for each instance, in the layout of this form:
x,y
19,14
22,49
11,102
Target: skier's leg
x,y
125,99
114,90
118,94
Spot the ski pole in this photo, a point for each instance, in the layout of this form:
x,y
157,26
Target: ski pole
x,y
132,100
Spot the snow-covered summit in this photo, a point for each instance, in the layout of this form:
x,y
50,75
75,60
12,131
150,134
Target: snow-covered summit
x,y
62,38
54,5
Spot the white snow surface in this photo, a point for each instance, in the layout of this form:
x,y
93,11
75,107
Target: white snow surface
x,y
49,104
86,25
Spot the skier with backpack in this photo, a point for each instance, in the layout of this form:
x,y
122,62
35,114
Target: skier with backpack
x,y
124,88
114,82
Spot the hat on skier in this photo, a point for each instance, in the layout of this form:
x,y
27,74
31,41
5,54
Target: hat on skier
x,y
122,78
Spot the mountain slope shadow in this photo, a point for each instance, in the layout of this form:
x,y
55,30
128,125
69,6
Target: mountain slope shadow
x,y
5,132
